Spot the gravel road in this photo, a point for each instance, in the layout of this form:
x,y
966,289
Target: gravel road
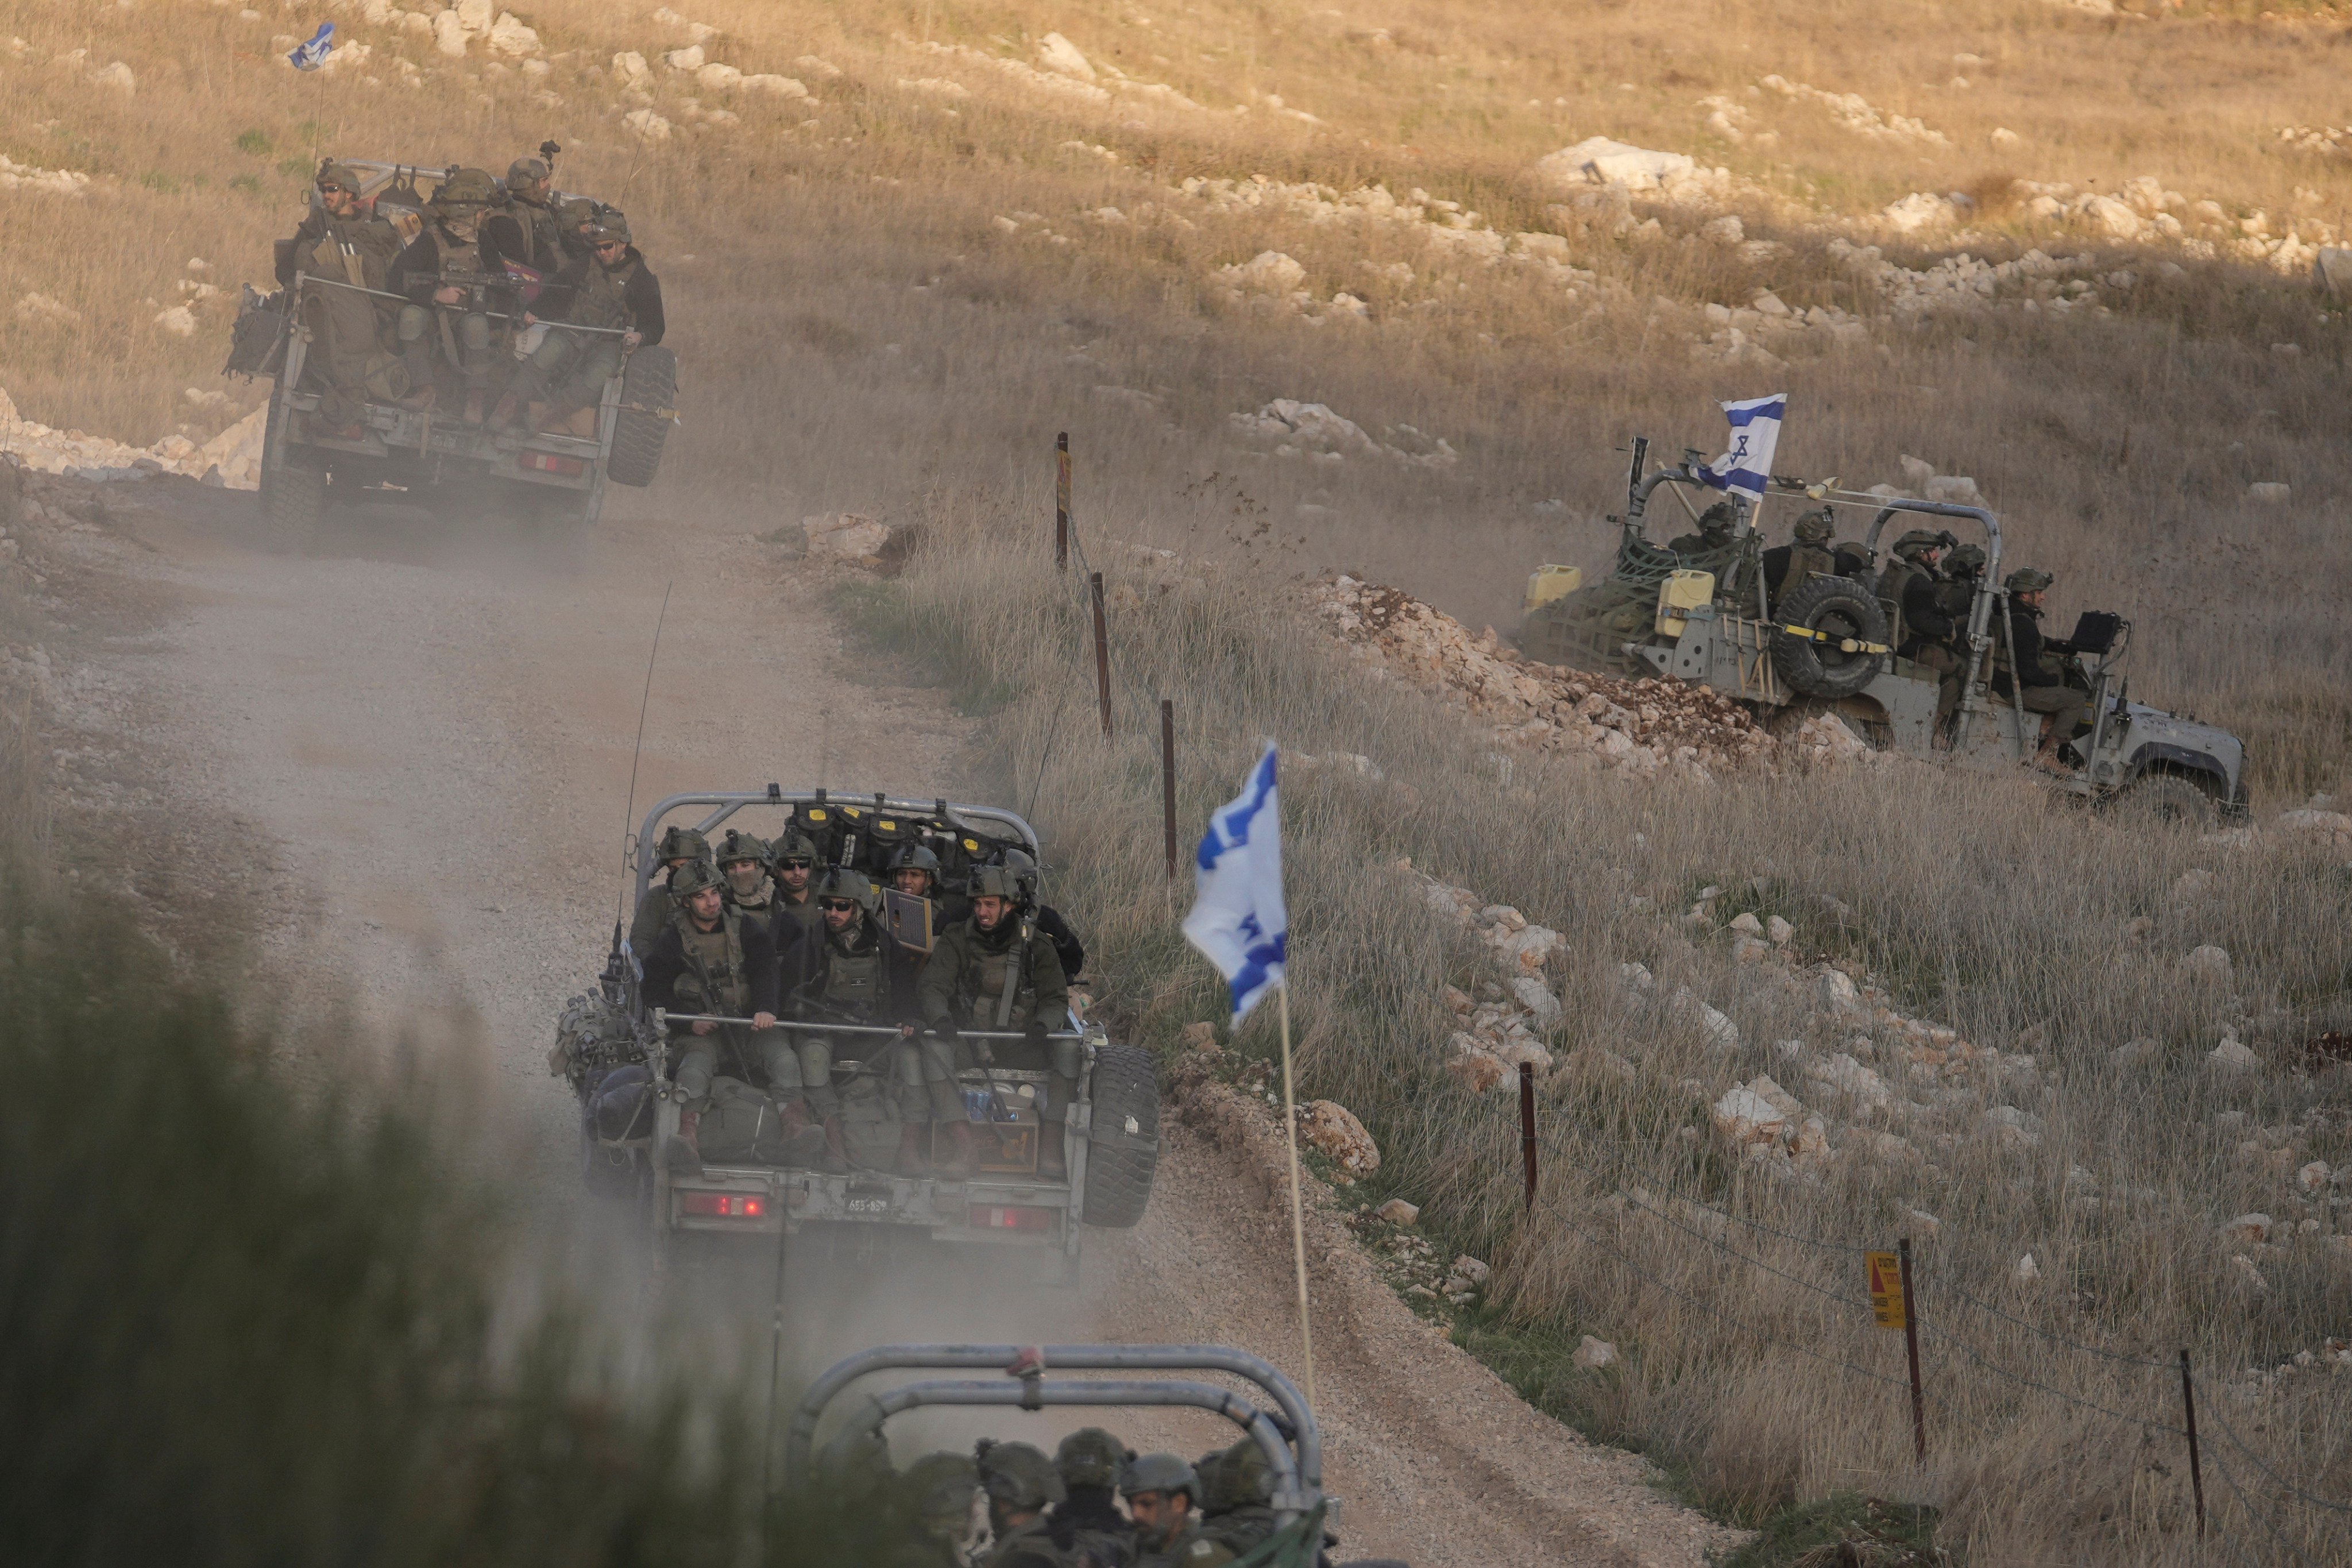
x,y
423,731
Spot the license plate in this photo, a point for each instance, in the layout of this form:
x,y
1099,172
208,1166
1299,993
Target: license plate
x,y
868,1202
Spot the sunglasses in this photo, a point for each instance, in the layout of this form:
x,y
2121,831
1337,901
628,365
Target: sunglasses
x,y
839,904
604,245
796,865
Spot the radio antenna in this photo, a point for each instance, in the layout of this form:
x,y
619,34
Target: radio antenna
x,y
629,816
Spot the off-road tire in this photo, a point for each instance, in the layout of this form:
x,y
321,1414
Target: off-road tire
x,y
1119,1173
296,500
1842,608
648,390
2174,799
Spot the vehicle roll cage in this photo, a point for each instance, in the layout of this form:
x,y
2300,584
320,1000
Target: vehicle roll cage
x,y
1287,1437
726,805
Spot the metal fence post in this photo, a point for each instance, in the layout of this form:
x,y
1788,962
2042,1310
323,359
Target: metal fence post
x,y
1102,651
1528,1129
2196,1470
1168,779
1062,502
1911,1346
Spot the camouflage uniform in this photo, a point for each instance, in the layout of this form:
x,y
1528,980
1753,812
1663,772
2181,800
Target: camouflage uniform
x,y
1718,527
730,970
938,1489
655,905
450,253
1236,1498
1021,1484
1006,979
859,975
346,325
1808,555
568,370
1086,1525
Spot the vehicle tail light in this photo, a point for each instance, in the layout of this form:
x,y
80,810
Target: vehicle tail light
x,y
548,463
722,1205
1009,1217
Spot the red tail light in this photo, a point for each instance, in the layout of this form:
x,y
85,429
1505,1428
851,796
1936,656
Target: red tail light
x,y
722,1205
548,463
993,1216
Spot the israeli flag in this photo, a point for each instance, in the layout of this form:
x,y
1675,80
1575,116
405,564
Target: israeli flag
x,y
310,56
1755,432
1238,921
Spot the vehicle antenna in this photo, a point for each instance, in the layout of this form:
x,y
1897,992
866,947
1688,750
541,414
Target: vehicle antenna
x,y
629,816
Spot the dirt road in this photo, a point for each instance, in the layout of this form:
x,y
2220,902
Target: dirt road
x,y
424,732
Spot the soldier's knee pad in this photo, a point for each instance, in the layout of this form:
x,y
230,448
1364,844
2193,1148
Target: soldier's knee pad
x,y
783,1064
413,322
474,333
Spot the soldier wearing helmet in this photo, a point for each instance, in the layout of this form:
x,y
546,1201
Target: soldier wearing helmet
x,y
856,973
343,241
1236,1497
454,286
997,971
793,859
1160,1489
1718,525
1066,945
655,906
1086,1525
1920,628
743,861
529,232
615,301
1807,553
1021,1484
915,871
938,1489
2043,687
709,960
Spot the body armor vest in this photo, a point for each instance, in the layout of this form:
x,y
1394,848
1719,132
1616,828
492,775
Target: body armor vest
x,y
716,979
987,1001
601,300
852,980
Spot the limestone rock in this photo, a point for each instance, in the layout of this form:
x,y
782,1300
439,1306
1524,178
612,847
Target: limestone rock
x,y
2247,1230
1598,160
1396,1211
2233,1055
2242,1268
846,536
1745,1117
1778,932
2208,965
1537,999
2312,1177
1332,1128
1592,1355
2027,1270
1056,53
1200,1036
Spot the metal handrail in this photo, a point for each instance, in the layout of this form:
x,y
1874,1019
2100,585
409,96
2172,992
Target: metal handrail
x,y
728,803
662,1016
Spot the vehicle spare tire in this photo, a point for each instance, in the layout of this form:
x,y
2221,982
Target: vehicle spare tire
x,y
648,391
1838,610
1123,1142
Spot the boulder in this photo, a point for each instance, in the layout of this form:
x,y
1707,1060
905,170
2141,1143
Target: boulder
x,y
1839,996
2242,1270
690,59
629,67
1396,1211
1332,1128
2247,1230
1200,1036
2233,1055
1468,1270
846,536
2207,964
508,36
1058,54
1778,932
1536,998
2312,1177
1479,1068
1747,923
1745,1116
1268,272
1598,160
448,34
1592,1355
2104,215
1721,1033
1843,1075
2018,1128
2027,1270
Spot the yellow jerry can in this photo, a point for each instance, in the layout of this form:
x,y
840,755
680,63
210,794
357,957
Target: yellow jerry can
x,y
1680,594
1549,583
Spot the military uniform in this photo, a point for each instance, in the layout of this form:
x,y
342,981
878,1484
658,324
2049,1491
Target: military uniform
x,y
1021,1484
1010,979
1029,1546
730,970
451,252
346,325
857,976
1806,555
2044,689
568,370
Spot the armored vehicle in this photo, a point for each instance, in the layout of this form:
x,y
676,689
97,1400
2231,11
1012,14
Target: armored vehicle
x,y
609,1048
431,457
1703,616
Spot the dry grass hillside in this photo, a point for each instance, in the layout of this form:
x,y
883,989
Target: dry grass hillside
x,y
2067,249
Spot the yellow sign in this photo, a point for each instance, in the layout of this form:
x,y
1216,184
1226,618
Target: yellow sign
x,y
1886,1288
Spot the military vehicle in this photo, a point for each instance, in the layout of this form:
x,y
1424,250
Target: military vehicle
x,y
431,457
1016,1377
608,1049
1702,616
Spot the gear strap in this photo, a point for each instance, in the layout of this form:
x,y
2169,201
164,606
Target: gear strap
x,y
1012,957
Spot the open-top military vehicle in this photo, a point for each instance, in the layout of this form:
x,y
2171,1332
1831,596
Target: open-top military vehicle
x,y
432,456
753,1182
1016,1377
1703,616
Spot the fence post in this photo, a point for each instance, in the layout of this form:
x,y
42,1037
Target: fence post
x,y
2196,1470
1168,779
1062,502
1102,651
1528,1129
1911,1346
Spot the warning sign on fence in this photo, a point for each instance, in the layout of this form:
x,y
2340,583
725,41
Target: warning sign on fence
x,y
1886,1288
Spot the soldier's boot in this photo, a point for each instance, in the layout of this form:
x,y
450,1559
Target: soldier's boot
x,y
504,414
681,1156
1050,1160
417,402
908,1159
835,1158
959,1162
475,397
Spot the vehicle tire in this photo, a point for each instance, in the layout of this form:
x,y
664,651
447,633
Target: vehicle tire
x,y
297,501
648,389
1839,608
1119,1173
2173,799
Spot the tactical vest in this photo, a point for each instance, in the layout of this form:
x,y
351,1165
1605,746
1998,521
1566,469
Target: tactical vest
x,y
983,985
1806,561
1891,583
458,260
601,300
853,981
715,979
545,233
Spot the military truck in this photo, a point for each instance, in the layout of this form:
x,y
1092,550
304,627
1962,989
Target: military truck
x,y
1702,616
608,1047
431,457
1030,1378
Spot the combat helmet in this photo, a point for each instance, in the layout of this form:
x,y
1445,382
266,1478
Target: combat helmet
x,y
576,210
2028,580
1018,1474
1163,1473
1024,867
682,844
792,845
1235,1477
525,171
841,882
1718,521
692,876
917,857
609,225
1814,527
1919,541
335,171
939,1487
996,882
463,191
1966,561
740,845
1090,1456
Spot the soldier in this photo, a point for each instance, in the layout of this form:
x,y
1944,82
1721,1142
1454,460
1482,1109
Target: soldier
x,y
938,1488
454,289
855,973
1020,1483
794,863
1087,1526
1922,629
1159,1489
1066,945
575,217
1954,597
915,871
678,844
996,971
612,293
2043,689
343,240
712,960
1236,1497
1910,577
743,861
529,232
1717,526
1807,553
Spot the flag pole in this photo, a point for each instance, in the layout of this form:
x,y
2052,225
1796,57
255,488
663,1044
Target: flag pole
x,y
1298,1208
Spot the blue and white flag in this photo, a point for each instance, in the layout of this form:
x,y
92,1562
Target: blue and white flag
x,y
310,56
1755,431
1237,919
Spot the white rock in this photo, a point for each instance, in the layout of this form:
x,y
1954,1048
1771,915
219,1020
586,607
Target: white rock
x,y
178,321
2208,965
1926,1222
1954,490
1396,1211
2005,138
717,77
1469,1270
2312,1177
1056,53
2248,1229
1918,212
1332,1127
2132,1053
1532,948
474,16
2269,490
645,125
1745,1116
508,36
1268,272
630,66
2242,1266
845,536
1721,1033
690,59
449,33
1838,993
1724,230
1592,1355
1845,1075
1779,931
775,86
2332,824
117,77
2233,1055
1636,977
816,66
2012,1126
1597,160
2027,1270
1537,999
1748,923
